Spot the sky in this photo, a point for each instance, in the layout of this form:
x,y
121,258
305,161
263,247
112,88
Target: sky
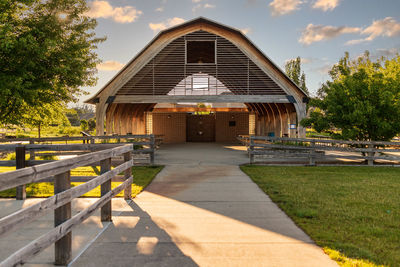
x,y
319,31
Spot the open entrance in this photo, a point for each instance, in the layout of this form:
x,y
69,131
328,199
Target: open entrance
x,y
200,128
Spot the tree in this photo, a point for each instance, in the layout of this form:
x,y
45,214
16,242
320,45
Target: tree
x,y
73,117
362,99
45,115
46,55
293,71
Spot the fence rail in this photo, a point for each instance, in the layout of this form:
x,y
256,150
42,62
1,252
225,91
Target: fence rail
x,y
142,144
319,150
61,201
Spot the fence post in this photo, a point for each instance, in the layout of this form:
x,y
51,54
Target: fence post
x,y
127,174
312,153
152,147
63,247
371,155
20,164
105,166
32,153
251,150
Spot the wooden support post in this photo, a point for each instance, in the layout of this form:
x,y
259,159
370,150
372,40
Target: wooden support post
x,y
105,166
63,247
20,160
92,141
371,155
251,150
312,154
153,148
32,155
127,174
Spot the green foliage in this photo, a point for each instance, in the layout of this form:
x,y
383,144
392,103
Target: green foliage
x,y
70,131
46,56
293,71
362,100
352,212
73,117
84,125
92,124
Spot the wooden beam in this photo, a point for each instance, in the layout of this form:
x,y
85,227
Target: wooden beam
x,y
105,166
201,99
63,246
20,164
196,109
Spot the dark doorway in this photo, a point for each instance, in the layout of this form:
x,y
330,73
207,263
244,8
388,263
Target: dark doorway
x,y
200,128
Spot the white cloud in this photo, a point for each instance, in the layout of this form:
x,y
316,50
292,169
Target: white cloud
x,y
282,7
200,5
110,65
354,42
326,5
246,31
166,24
316,33
387,27
159,9
103,9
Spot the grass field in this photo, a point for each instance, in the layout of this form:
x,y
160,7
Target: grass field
x,y
142,176
352,212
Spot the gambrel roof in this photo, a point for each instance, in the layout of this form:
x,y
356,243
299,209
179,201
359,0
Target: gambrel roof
x,y
160,69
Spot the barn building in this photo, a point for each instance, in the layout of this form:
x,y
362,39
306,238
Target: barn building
x,y
200,81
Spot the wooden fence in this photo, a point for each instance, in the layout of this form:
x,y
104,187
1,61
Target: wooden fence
x,y
142,144
59,171
319,151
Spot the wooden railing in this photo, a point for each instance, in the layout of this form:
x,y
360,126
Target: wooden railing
x,y
143,144
318,150
61,201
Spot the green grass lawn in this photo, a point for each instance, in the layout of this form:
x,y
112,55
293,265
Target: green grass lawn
x,y
142,176
352,212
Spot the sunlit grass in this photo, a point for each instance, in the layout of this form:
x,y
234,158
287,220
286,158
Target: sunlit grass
x,y
352,212
142,176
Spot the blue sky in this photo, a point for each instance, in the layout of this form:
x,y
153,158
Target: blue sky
x,y
319,31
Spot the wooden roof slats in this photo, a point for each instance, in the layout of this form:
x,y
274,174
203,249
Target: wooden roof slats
x,y
233,70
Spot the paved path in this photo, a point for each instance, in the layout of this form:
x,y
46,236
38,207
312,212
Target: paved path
x,y
202,210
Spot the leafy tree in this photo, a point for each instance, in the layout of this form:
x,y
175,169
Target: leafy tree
x,y
45,115
84,125
92,124
46,55
362,100
73,117
293,71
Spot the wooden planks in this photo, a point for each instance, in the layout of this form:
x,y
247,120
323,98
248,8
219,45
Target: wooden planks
x,y
315,149
25,215
63,246
40,172
41,243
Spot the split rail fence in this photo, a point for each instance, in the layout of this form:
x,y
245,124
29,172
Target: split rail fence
x,y
142,144
60,203
320,151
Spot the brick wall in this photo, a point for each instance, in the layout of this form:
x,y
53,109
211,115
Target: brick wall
x,y
226,131
171,125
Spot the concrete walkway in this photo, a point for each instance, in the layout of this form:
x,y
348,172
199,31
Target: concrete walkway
x,y
202,210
